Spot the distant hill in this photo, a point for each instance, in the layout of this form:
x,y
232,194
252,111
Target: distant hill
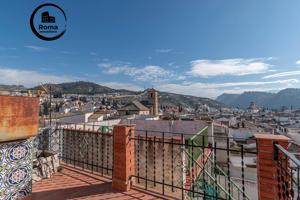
x,y
89,88
287,97
12,87
165,98
82,87
227,99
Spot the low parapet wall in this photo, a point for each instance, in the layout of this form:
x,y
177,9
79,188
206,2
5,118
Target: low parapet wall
x,y
18,117
18,122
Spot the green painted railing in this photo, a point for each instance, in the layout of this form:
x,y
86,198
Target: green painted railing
x,y
210,181
105,129
200,139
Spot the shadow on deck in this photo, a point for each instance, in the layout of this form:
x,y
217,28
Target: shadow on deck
x,y
73,183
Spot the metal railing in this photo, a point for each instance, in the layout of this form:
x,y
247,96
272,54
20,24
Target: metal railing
x,y
288,170
87,149
169,163
172,165
218,179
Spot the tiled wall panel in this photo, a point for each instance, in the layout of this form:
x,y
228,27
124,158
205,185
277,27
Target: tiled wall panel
x,y
15,169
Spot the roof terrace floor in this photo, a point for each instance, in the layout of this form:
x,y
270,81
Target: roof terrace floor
x,y
73,183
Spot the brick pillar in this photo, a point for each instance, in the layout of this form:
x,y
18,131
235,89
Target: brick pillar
x,y
124,157
266,165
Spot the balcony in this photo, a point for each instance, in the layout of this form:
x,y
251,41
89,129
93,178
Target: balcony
x,y
124,162
164,165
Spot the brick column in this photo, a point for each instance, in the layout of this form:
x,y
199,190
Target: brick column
x,y
124,156
266,165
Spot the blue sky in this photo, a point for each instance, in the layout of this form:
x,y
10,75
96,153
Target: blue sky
x,y
202,48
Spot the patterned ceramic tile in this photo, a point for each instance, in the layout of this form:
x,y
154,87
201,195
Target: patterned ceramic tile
x,y
15,169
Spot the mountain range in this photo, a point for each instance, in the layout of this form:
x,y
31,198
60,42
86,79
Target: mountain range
x,y
82,87
89,88
289,97
12,87
165,98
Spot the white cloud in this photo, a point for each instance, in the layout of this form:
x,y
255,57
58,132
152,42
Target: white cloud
x,y
148,73
118,85
222,85
36,48
163,50
283,74
213,90
298,62
29,78
233,67
93,53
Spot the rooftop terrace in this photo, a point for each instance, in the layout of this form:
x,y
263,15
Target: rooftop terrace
x,y
160,167
72,183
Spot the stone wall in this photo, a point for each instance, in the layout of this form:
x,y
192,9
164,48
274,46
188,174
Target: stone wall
x,y
45,164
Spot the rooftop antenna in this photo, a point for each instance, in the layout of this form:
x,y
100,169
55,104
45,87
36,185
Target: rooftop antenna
x,y
50,93
44,88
